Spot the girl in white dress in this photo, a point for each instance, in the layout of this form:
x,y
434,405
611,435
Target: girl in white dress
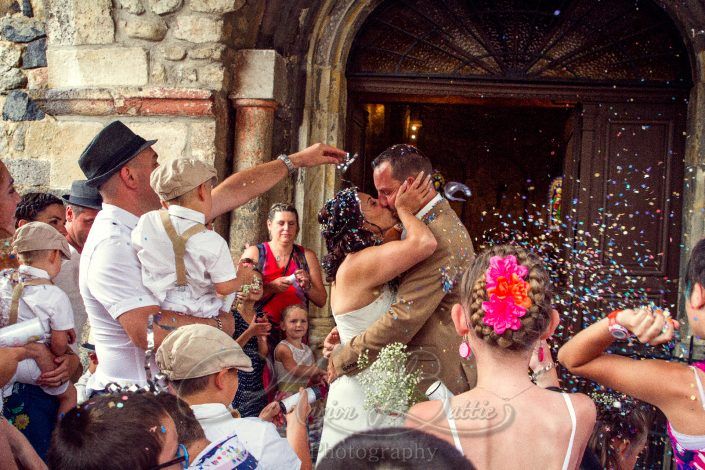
x,y
360,268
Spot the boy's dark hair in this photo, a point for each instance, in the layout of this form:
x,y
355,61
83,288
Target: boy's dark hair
x,y
406,161
695,269
112,432
32,204
393,448
187,426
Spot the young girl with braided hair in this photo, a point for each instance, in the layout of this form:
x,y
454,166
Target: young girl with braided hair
x,y
507,421
675,388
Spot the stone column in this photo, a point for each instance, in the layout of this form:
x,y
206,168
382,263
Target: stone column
x,y
253,145
259,87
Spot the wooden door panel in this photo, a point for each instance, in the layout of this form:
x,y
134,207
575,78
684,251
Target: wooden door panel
x,y
629,200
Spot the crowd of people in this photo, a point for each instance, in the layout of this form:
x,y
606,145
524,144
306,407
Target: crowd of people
x,y
130,338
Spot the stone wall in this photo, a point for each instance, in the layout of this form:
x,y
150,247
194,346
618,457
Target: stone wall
x,y
71,66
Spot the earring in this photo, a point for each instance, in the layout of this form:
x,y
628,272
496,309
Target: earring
x,y
464,349
541,356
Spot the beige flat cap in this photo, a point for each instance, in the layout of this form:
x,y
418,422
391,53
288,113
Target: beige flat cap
x,y
179,176
36,236
194,351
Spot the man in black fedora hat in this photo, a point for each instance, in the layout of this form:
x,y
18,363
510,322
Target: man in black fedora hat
x,y
118,163
82,206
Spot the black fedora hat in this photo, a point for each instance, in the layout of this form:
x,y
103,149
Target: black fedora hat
x,y
114,146
83,195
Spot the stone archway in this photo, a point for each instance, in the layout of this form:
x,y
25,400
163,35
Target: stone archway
x,y
325,109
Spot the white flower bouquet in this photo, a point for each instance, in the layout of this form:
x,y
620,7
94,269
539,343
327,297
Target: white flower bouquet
x,y
389,387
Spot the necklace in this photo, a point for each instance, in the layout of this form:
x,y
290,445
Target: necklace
x,y
504,398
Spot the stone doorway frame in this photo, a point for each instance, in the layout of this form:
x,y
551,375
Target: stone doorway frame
x,y
325,110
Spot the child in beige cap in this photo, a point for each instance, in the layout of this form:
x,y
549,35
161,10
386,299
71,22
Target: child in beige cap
x,y
186,266
28,293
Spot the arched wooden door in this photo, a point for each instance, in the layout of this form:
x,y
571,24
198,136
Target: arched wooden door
x,y
620,65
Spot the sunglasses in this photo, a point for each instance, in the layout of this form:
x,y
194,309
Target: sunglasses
x,y
180,457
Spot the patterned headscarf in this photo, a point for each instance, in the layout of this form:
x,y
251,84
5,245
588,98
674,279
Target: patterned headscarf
x,y
342,222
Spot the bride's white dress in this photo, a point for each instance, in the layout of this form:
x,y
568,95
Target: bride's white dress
x,y
345,411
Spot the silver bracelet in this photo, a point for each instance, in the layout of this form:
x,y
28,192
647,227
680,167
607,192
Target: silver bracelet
x,y
287,161
542,371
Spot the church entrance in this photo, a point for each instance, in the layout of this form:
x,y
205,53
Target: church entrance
x,y
512,158
566,119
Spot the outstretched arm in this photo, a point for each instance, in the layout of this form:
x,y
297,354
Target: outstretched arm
x,y
239,188
653,381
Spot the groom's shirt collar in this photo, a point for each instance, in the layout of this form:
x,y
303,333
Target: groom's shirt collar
x,y
427,208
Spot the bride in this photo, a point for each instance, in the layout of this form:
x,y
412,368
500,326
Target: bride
x,y
360,269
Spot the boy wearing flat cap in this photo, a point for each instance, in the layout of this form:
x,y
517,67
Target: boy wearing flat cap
x,y
186,266
28,293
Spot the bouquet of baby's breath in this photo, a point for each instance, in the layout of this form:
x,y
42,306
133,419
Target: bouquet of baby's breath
x,y
389,387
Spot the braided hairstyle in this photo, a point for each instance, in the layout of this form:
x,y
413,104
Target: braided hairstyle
x,y
32,204
342,229
537,317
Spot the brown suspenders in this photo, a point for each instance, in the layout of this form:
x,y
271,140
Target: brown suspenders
x,y
179,244
17,295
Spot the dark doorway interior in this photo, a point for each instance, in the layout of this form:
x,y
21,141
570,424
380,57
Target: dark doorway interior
x,y
507,156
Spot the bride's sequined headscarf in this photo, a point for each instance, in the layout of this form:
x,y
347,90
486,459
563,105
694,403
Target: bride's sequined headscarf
x,y
342,222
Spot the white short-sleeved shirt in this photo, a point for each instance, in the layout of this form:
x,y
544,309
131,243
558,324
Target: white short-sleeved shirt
x,y
260,438
67,281
110,280
47,302
207,261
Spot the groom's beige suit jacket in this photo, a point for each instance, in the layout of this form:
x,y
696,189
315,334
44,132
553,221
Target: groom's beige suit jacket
x,y
420,317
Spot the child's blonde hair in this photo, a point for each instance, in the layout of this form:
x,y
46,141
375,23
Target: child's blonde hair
x,y
34,256
290,309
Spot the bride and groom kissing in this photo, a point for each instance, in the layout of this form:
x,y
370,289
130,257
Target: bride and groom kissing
x,y
423,254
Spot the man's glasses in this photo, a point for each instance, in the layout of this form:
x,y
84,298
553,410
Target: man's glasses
x,y
180,457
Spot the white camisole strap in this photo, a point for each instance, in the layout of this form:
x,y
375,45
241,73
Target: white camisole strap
x,y
451,425
700,386
571,410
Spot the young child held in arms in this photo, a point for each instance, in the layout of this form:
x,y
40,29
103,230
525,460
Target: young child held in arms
x,y
187,267
675,388
294,363
251,331
40,249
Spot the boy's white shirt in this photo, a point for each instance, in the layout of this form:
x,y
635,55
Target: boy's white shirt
x,y
260,438
48,303
207,260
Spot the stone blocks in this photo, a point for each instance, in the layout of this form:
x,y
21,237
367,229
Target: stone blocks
x,y
259,74
198,29
19,28
163,7
80,22
151,28
216,6
29,172
19,107
93,67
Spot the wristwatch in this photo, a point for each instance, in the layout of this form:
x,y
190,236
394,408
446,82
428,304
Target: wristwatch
x,y
616,330
287,161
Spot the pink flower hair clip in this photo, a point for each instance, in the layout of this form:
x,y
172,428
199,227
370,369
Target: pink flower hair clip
x,y
508,292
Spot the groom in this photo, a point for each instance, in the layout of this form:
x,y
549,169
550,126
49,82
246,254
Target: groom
x,y
420,317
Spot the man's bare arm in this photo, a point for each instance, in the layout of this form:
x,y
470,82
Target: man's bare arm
x,y
243,186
